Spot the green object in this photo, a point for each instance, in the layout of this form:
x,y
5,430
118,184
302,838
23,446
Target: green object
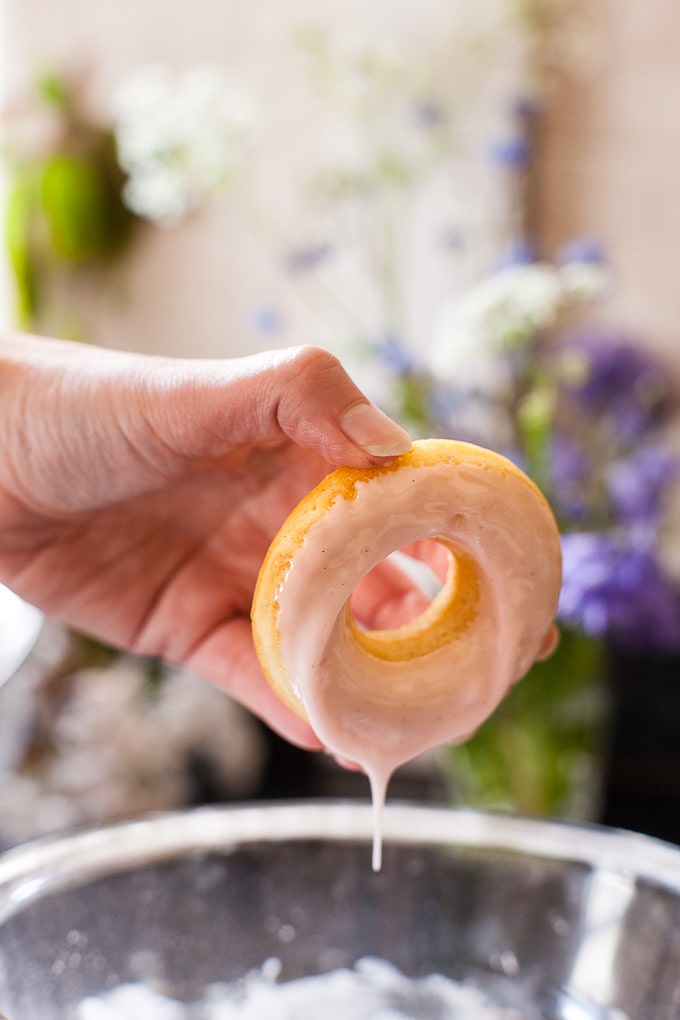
x,y
64,213
51,88
412,400
19,221
81,206
65,210
535,416
542,752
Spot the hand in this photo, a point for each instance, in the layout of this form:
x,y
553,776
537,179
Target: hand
x,y
138,495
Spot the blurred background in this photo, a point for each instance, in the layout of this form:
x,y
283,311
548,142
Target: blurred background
x,y
474,206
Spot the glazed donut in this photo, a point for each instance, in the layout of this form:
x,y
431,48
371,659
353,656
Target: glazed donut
x,y
379,698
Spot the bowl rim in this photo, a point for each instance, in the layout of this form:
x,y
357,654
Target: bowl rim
x,y
32,869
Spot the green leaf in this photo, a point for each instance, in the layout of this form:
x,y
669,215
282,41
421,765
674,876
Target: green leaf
x,y
19,217
411,399
81,207
51,87
535,416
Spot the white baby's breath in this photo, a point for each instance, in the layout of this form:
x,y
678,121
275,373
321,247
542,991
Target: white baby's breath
x,y
179,138
506,310
583,281
513,303
117,749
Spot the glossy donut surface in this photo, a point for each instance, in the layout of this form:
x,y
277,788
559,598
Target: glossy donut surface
x,y
385,696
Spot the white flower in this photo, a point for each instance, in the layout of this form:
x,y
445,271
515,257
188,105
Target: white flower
x,y
461,354
179,138
115,749
506,310
583,281
514,303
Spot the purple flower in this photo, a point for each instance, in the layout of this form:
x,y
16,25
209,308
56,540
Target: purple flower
x,y
614,587
521,252
446,403
569,472
512,153
516,455
305,259
452,238
267,320
526,108
429,114
638,485
582,249
624,386
394,355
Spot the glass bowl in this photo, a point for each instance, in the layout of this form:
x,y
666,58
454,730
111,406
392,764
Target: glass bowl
x,y
547,919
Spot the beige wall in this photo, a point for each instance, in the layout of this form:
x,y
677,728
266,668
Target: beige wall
x,y
610,164
610,160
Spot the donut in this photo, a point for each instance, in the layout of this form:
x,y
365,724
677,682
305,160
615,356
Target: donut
x,y
381,697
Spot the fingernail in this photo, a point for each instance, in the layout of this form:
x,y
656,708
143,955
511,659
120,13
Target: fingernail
x,y
374,432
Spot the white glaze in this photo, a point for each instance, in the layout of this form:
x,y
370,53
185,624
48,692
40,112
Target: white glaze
x,y
381,714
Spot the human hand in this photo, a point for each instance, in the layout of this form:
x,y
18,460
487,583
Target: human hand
x,y
138,495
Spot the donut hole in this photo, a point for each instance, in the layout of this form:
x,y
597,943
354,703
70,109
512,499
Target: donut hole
x,y
402,587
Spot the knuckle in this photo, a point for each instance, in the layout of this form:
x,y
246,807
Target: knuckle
x,y
310,362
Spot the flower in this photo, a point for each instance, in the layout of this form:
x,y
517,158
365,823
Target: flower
x,y
638,485
613,586
79,187
521,252
583,412
115,747
505,311
267,320
394,354
626,387
569,475
582,250
520,300
307,258
513,153
178,138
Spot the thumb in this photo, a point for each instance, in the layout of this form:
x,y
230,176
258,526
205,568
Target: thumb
x,y
318,406
302,393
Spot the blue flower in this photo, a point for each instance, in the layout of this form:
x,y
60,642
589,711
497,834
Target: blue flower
x,y
569,472
429,114
638,485
391,351
307,258
521,252
526,108
613,586
452,238
267,320
622,384
582,249
446,402
512,153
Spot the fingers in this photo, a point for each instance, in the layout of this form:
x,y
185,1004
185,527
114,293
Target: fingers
x,y
550,643
318,406
227,659
387,598
301,393
402,587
